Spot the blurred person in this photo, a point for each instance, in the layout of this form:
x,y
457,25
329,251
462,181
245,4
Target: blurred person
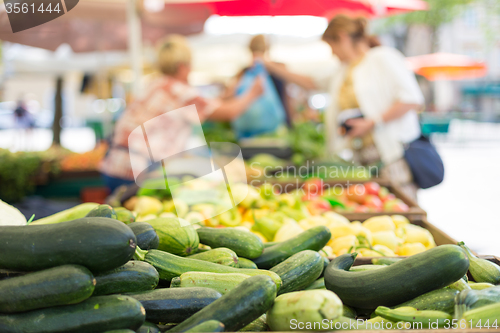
x,y
167,92
259,47
374,100
24,123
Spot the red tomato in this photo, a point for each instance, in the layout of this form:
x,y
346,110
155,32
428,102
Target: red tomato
x,y
372,188
313,186
373,202
356,193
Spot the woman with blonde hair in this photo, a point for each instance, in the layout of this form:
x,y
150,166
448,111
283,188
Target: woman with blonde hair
x,y
374,100
167,92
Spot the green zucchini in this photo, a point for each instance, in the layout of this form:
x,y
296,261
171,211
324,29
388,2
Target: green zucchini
x,y
399,282
348,312
134,276
318,284
258,325
147,238
440,300
246,263
408,314
486,315
245,244
238,308
299,271
326,262
102,211
96,314
482,270
174,305
385,261
480,285
124,215
8,273
313,239
221,256
170,266
306,307
67,284
70,214
473,299
223,283
362,268
208,326
148,327
98,243
269,244
176,236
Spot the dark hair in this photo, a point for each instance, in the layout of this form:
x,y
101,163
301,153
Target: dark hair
x,y
355,28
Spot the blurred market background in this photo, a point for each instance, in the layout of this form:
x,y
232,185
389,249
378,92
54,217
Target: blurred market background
x,y
77,83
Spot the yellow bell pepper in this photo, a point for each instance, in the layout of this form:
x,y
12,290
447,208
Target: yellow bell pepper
x,y
342,230
362,233
379,223
416,234
261,236
400,220
326,252
287,231
340,244
410,249
148,205
312,222
259,213
335,218
387,238
368,253
385,250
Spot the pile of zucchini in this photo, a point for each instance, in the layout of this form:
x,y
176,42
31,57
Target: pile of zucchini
x,y
103,273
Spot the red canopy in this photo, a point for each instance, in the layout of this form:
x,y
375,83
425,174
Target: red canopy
x,y
322,8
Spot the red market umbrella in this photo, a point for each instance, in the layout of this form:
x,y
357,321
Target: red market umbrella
x,y
322,8
102,26
447,66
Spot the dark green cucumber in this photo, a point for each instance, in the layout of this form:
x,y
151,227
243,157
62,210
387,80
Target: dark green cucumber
x,y
102,211
124,215
121,331
68,284
246,263
8,273
313,239
148,327
98,243
441,300
245,244
94,315
221,256
258,325
399,282
132,277
318,284
299,271
208,326
238,308
147,238
169,266
174,305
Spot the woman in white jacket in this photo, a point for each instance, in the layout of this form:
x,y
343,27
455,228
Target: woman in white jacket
x,y
374,83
